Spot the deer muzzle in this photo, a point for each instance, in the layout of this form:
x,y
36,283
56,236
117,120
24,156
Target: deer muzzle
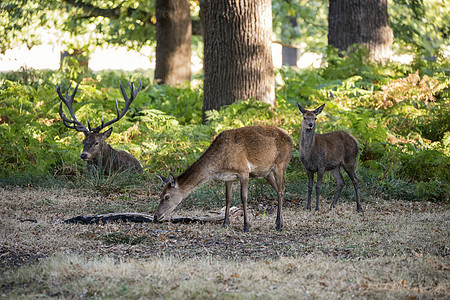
x,y
310,126
158,218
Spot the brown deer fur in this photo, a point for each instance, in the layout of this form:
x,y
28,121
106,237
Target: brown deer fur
x,y
98,154
327,152
252,151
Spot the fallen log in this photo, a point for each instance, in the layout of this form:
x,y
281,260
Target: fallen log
x,y
144,218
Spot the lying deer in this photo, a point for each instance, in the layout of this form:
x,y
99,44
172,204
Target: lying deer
x,y
96,152
252,151
327,152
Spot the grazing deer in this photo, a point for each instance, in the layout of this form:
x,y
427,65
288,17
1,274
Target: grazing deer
x,y
252,151
96,152
327,152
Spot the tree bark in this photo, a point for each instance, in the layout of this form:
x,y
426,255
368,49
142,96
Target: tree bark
x,y
173,41
360,21
237,52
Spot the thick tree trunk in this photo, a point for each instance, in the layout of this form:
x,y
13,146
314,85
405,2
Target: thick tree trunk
x,y
360,21
238,52
173,41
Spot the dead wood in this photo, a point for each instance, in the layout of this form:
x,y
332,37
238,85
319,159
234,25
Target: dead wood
x,y
144,218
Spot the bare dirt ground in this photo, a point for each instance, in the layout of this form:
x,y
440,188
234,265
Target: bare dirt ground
x,y
395,249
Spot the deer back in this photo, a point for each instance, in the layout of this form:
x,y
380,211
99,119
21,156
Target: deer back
x,y
335,148
257,148
252,149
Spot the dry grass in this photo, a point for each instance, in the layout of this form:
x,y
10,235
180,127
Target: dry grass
x,y
395,249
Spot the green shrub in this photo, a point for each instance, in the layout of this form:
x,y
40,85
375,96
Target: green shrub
x,y
427,165
163,126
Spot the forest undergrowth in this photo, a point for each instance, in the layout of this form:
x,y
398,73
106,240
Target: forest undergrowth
x,y
398,113
396,248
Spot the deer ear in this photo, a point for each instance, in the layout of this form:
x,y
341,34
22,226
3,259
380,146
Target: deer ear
x,y
162,178
172,180
107,133
302,110
319,110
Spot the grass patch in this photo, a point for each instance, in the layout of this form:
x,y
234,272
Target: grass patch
x,y
313,276
395,249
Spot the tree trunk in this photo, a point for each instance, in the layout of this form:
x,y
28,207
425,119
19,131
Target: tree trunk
x,y
173,41
290,54
360,21
79,55
237,52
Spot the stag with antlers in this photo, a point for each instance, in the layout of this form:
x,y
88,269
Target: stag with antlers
x,y
96,152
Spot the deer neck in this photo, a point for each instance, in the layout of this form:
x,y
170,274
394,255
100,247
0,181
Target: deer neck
x,y
107,155
307,140
199,172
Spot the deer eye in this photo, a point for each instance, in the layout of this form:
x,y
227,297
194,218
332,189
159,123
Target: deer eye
x,y
166,197
96,144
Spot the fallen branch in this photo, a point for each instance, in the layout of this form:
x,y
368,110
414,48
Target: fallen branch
x,y
144,218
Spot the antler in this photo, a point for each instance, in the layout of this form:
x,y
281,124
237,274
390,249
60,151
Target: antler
x,y
68,101
128,102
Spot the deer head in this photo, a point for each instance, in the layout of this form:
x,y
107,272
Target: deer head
x,y
93,144
309,117
94,141
170,197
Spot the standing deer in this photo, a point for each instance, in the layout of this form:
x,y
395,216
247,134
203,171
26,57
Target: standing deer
x,y
252,151
327,152
96,152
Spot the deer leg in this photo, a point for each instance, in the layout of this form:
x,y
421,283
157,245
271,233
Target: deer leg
x,y
340,185
271,179
274,181
228,194
244,193
281,187
310,187
318,185
351,173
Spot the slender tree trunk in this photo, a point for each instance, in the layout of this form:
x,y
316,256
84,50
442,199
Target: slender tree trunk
x,y
290,54
173,41
360,21
79,55
237,52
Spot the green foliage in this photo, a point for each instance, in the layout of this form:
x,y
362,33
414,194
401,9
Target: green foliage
x,y
427,165
384,106
422,25
183,102
28,130
400,119
95,22
301,23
